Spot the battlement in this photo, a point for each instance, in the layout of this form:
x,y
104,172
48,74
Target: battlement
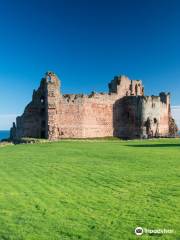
x,y
163,98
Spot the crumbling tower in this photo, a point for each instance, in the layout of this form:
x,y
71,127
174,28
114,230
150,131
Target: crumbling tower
x,y
123,86
52,106
40,117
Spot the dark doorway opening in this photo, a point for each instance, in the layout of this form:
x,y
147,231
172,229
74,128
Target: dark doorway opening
x,y
43,135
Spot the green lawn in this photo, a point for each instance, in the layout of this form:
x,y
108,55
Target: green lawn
x,y
89,190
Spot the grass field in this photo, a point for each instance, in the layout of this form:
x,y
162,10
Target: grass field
x,y
89,190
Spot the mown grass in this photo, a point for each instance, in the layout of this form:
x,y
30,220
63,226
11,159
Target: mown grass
x,y
89,190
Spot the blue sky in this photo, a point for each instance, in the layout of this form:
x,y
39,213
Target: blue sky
x,y
86,43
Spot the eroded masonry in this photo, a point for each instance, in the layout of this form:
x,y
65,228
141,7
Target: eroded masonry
x,y
124,112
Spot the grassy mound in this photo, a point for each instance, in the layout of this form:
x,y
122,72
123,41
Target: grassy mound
x,y
89,189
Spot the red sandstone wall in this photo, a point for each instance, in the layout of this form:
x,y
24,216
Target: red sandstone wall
x,y
95,115
86,117
98,118
70,119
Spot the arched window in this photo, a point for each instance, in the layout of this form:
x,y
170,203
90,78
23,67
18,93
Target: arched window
x,y
136,89
155,120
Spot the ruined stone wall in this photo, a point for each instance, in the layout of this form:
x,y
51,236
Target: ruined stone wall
x,y
71,116
90,116
98,116
123,112
86,116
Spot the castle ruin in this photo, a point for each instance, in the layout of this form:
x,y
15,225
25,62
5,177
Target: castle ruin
x,y
124,112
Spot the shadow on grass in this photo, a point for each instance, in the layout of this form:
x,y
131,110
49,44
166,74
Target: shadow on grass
x,y
155,145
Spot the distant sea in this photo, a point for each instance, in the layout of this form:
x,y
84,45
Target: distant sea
x,y
4,134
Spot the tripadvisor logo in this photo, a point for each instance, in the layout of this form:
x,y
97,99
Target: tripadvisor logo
x,y
139,231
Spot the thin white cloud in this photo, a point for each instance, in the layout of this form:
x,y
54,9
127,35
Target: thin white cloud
x,y
6,121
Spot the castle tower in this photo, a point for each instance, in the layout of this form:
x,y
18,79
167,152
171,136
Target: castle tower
x,y
123,86
52,106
